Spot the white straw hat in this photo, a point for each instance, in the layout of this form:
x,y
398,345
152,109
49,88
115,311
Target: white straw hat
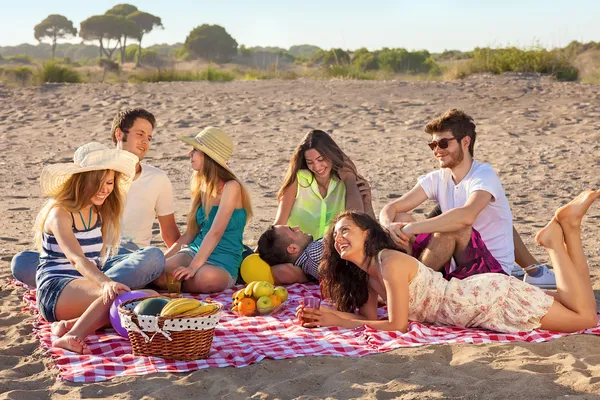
x,y
214,142
90,157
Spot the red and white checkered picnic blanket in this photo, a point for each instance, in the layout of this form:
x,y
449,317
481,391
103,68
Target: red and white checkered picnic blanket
x,y
241,341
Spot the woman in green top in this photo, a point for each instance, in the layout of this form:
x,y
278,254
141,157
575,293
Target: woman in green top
x,y
321,181
207,257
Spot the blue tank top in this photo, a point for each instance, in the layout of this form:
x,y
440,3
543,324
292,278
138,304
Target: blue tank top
x,y
54,262
228,253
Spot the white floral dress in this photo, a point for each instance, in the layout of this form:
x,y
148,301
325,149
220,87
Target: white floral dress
x,y
492,301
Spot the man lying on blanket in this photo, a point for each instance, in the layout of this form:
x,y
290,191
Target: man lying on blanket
x,y
294,256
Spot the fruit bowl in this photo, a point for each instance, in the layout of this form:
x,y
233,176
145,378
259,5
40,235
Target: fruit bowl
x,y
258,298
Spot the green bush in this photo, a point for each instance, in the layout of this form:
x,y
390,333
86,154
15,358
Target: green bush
x,y
331,57
54,72
365,60
19,59
21,75
215,75
172,75
534,60
347,72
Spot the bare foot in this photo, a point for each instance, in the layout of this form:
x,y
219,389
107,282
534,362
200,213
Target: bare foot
x,y
72,343
551,235
572,213
59,328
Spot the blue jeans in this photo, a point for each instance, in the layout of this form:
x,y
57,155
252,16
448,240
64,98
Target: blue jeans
x,y
135,269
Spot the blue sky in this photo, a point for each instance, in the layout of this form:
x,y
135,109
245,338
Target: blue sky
x,y
434,25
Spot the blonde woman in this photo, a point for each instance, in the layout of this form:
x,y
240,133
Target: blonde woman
x,y
77,233
208,255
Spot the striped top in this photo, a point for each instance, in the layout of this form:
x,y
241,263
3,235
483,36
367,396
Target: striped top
x,y
54,262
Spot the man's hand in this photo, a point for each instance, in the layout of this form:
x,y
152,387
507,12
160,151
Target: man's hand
x,y
399,235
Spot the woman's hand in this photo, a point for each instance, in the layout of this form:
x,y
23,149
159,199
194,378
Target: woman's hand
x,y
184,273
364,188
317,317
111,289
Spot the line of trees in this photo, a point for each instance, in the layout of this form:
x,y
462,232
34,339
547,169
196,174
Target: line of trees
x,y
122,22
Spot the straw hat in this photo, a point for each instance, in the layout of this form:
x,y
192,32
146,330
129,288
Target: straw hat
x,y
213,142
90,157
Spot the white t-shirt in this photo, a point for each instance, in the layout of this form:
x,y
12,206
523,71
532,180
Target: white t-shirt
x,y
150,195
494,223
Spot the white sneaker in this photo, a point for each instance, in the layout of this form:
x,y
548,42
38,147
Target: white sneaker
x,y
546,281
517,272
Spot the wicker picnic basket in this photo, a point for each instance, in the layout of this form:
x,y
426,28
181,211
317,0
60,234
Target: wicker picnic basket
x,y
172,338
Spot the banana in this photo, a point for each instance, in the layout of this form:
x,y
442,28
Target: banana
x,y
240,296
249,288
172,304
234,296
180,306
205,308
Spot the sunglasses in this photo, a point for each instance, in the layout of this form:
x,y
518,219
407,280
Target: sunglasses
x,y
443,143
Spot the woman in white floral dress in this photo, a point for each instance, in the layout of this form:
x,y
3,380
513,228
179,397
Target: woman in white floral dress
x,y
361,263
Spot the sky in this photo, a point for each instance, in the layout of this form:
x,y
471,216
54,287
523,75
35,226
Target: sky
x,y
435,25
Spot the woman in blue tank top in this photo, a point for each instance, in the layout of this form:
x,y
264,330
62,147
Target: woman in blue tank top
x,y
76,232
207,257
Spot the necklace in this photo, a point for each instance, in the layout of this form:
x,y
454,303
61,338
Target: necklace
x,y
89,224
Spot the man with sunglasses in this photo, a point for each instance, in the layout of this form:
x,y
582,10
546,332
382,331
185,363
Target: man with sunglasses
x,y
474,232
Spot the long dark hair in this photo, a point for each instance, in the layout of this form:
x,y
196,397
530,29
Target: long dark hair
x,y
325,145
343,281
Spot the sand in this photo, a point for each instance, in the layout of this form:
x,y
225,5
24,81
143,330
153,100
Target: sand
x,y
541,137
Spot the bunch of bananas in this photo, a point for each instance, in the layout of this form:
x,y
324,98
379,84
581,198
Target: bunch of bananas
x,y
184,307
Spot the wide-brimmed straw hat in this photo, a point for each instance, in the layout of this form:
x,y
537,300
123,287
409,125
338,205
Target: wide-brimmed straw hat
x,y
90,157
213,142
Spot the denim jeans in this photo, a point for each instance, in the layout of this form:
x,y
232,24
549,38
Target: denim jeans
x,y
135,269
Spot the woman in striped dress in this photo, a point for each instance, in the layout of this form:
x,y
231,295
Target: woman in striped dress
x,y
76,231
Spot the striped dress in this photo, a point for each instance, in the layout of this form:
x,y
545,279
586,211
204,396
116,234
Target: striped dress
x,y
54,263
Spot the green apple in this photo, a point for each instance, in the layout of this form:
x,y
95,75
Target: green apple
x,y
262,289
281,292
264,305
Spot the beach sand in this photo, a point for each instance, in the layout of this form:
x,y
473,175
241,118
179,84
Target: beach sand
x,y
542,138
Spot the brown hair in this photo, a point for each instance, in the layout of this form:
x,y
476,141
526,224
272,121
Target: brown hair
x,y
325,145
457,122
342,281
204,190
125,118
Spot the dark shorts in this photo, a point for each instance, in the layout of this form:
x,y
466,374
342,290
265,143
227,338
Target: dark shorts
x,y
477,258
48,293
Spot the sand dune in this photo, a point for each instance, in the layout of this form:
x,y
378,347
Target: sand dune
x,y
542,138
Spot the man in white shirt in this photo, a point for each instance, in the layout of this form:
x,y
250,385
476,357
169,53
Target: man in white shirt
x,y
474,232
150,196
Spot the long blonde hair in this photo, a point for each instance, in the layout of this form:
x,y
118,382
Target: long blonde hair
x,y
204,190
75,195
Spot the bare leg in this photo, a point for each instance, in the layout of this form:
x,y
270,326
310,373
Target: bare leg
x,y
443,246
522,255
569,217
95,317
208,279
575,305
59,328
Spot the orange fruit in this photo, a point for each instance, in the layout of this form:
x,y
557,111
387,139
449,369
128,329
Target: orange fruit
x,y
246,306
276,300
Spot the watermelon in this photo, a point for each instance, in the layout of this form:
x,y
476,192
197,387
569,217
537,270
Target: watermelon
x,y
151,306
